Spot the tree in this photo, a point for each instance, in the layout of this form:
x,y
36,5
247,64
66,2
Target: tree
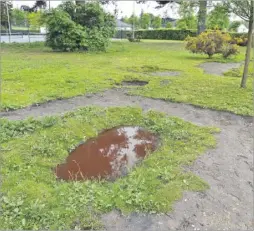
x,y
245,10
34,19
145,21
233,26
156,22
37,5
4,15
202,4
18,17
218,17
202,16
134,20
188,19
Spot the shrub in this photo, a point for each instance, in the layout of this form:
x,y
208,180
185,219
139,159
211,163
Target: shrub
x,y
240,41
78,27
229,49
131,39
210,43
64,34
165,34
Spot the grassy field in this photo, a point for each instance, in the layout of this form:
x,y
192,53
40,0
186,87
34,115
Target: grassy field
x,y
34,74
32,198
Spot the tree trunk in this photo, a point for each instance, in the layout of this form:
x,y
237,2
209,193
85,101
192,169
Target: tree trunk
x,y
202,16
248,50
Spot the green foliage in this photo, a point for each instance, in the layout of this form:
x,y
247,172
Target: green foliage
x,y
38,201
229,49
145,21
34,20
64,34
18,17
3,12
188,20
165,34
218,18
169,25
81,27
187,23
156,22
210,43
233,26
240,39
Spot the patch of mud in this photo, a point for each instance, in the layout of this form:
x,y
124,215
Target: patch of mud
x,y
215,68
134,83
228,169
165,73
110,155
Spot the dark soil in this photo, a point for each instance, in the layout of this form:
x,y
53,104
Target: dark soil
x,y
134,83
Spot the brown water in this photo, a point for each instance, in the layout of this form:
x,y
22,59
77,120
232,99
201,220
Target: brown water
x,y
110,155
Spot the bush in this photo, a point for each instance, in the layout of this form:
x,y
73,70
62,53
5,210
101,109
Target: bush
x,y
131,39
229,49
79,27
63,34
165,34
210,43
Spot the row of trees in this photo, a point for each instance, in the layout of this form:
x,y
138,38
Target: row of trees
x,y
144,21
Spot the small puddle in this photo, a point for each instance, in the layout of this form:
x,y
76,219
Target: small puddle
x,y
110,155
134,83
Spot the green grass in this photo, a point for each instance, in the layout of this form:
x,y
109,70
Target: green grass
x,y
33,199
35,74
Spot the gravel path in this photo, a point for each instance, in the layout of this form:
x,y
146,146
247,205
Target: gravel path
x,y
227,205
216,68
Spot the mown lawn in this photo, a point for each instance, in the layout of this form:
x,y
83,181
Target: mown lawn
x,y
32,198
34,74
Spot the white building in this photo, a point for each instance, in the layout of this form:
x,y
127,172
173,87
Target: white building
x,y
242,29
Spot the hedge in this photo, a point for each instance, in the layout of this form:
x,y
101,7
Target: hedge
x,y
165,34
172,34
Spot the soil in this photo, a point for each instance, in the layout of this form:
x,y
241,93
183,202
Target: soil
x,y
165,73
134,83
215,68
228,169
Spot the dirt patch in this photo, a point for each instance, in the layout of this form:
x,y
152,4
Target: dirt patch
x,y
215,68
134,83
110,155
165,82
228,169
165,73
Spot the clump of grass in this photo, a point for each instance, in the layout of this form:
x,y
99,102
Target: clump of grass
x,y
32,198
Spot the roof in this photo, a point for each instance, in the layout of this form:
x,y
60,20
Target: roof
x,y
168,19
119,23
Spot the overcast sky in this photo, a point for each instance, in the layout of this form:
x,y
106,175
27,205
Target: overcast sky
x,y
125,8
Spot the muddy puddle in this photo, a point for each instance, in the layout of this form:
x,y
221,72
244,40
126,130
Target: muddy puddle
x,y
110,155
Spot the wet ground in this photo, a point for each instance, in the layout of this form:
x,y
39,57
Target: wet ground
x,y
228,169
134,83
113,153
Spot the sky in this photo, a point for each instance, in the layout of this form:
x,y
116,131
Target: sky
x,y
125,8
